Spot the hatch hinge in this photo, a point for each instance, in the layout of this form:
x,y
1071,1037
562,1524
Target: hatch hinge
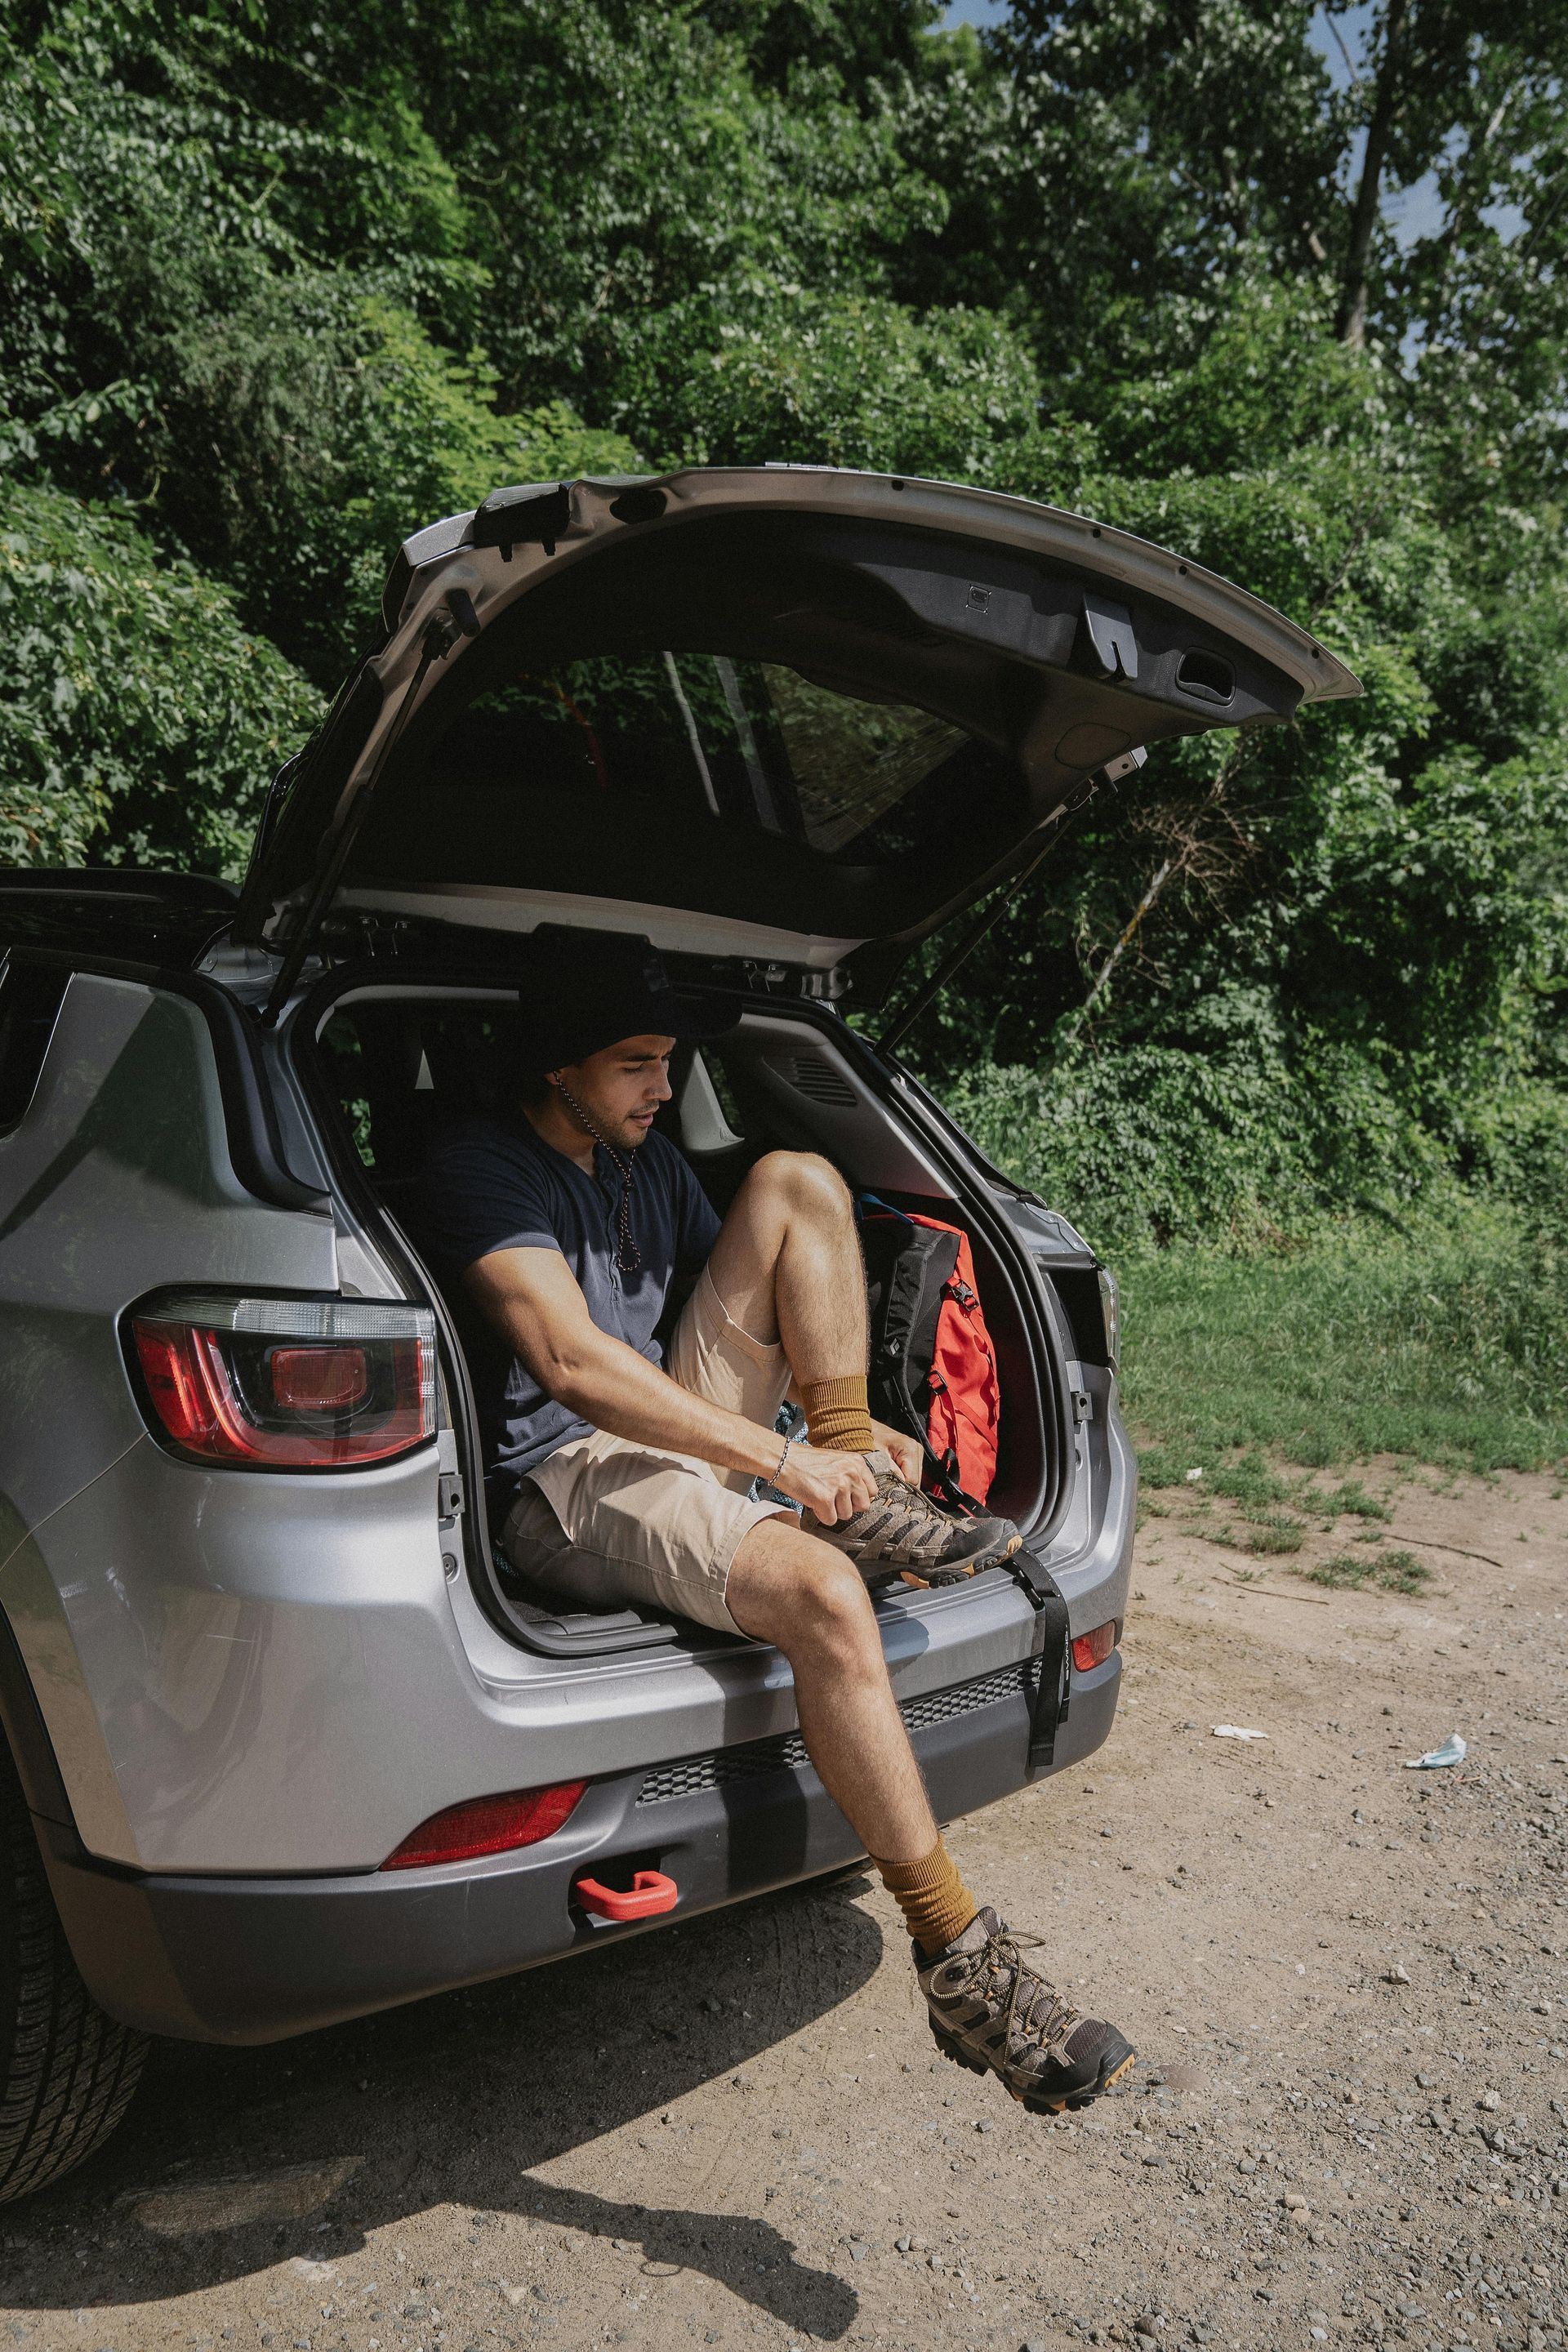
x,y
380,938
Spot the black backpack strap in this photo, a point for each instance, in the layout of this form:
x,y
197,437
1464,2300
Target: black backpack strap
x,y
907,1270
1053,1647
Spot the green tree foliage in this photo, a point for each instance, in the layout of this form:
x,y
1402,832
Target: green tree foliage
x,y
338,418
284,283
618,159
140,724
835,379
1121,168
224,316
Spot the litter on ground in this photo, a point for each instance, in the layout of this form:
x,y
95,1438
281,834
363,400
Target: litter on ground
x,y
1237,1731
1453,1750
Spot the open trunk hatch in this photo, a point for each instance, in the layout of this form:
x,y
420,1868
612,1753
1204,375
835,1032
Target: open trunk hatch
x,y
772,712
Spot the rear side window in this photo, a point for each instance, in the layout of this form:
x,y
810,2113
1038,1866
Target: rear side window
x,y
29,1000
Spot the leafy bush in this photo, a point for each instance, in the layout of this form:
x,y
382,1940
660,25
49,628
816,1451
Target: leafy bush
x,y
838,380
1240,1132
345,427
138,722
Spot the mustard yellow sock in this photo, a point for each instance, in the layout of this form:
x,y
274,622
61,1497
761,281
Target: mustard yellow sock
x,y
934,1900
838,1414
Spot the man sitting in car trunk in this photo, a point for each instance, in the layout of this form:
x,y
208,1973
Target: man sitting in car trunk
x,y
613,1475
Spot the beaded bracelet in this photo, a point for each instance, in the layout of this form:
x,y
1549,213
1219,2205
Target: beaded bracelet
x,y
784,1457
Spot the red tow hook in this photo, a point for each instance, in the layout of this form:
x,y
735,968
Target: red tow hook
x,y
650,1892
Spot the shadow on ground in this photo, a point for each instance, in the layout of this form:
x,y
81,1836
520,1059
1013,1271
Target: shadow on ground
x,y
231,2160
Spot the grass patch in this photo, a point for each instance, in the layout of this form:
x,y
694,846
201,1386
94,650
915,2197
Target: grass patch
x,y
1447,1343
1162,1466
1350,1572
1268,1533
1353,1501
1249,1482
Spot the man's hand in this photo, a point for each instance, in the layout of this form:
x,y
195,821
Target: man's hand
x,y
908,1459
833,1485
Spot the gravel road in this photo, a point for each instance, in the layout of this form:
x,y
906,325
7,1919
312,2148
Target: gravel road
x,y
1348,2122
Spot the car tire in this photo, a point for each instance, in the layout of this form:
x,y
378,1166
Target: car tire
x,y
66,2069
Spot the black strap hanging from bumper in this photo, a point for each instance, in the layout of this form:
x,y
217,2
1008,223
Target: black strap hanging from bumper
x,y
1053,1635
1053,1647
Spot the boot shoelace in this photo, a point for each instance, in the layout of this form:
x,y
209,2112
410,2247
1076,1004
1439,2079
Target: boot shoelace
x,y
903,1527
628,1257
1052,2029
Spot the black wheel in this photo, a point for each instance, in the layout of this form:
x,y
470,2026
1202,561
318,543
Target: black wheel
x,y
67,2071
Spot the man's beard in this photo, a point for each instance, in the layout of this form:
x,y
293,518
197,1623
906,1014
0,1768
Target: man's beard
x,y
622,1133
616,1134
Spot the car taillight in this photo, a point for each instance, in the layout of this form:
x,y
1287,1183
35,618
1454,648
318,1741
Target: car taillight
x,y
287,1383
487,1825
1093,1649
320,1380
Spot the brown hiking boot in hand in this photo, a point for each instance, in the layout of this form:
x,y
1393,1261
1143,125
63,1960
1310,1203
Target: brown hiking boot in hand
x,y
990,2011
904,1533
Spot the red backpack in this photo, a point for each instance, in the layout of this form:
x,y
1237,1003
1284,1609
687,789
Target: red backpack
x,y
933,1369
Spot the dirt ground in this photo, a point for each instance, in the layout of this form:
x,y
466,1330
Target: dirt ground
x,y
1348,2122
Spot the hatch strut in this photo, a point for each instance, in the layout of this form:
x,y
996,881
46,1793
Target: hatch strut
x,y
441,632
1061,823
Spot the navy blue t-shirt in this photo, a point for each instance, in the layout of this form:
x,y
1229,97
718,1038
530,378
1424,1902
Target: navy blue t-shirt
x,y
494,1185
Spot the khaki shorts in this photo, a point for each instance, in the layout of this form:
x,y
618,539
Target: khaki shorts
x,y
608,1521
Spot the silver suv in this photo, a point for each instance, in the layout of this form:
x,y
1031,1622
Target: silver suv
x,y
285,1742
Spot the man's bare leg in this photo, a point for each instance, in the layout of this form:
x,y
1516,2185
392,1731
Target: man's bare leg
x,y
789,1588
787,1265
989,2008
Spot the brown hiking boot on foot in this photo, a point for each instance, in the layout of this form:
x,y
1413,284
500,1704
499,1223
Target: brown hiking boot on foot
x,y
990,2011
904,1533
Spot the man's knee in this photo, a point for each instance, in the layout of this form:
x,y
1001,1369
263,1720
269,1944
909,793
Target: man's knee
x,y
828,1605
803,1180
821,1602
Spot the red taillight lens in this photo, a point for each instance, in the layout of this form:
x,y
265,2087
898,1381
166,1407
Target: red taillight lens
x,y
287,1384
320,1380
1093,1649
487,1825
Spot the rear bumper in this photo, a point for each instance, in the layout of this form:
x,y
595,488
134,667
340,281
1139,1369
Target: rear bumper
x,y
256,1960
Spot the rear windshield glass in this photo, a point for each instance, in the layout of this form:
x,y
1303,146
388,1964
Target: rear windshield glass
x,y
708,735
